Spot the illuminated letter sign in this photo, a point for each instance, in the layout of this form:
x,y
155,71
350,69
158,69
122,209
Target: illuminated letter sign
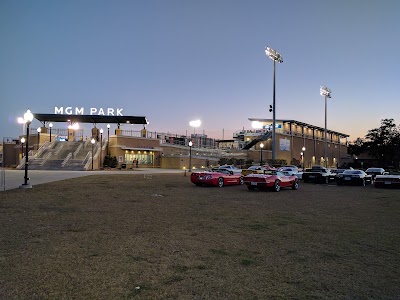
x,y
93,111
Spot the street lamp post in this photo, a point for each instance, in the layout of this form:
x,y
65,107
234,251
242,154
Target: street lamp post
x,y
190,155
22,147
28,117
50,126
324,91
302,154
276,57
92,141
108,140
39,130
101,146
261,147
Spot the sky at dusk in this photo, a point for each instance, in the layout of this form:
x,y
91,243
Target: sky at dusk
x,y
178,61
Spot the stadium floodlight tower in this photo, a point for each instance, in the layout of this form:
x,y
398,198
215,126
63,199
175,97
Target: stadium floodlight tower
x,y
195,124
324,91
276,57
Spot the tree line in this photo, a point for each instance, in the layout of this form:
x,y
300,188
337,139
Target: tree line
x,y
381,143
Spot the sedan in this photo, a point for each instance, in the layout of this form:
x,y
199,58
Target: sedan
x,y
376,171
231,168
218,178
289,170
256,170
357,177
274,180
387,181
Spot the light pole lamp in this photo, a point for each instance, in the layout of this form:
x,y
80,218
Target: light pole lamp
x,y
22,146
101,146
324,91
108,140
92,141
302,154
39,130
276,57
190,155
50,126
28,117
261,148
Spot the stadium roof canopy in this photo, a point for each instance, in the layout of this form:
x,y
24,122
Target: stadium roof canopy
x,y
294,122
94,119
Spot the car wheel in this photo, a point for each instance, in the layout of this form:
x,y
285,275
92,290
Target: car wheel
x,y
241,180
251,188
295,185
198,184
277,186
220,182
363,182
305,180
339,182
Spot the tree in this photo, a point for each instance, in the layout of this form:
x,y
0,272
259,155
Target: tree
x,y
357,147
383,143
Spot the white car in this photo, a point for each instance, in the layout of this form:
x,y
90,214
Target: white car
x,y
231,169
288,171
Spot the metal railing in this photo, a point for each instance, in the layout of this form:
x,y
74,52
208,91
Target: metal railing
x,y
46,158
77,150
66,160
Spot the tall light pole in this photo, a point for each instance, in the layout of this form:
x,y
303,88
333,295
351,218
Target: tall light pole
x,y
190,155
108,140
22,147
39,130
261,147
101,146
28,117
195,124
92,141
302,154
50,126
276,57
324,91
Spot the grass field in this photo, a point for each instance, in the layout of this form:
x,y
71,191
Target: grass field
x,y
161,237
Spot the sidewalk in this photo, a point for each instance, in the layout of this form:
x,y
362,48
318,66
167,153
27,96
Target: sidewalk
x,y
14,178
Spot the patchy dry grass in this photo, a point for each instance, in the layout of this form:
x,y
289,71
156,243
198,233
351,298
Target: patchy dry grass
x,y
161,237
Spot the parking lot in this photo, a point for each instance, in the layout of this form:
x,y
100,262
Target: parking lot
x,y
158,236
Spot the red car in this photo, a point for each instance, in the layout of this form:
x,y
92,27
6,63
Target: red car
x,y
217,178
274,180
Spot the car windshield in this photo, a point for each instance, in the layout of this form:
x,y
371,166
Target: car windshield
x,y
270,172
374,170
352,172
224,171
254,168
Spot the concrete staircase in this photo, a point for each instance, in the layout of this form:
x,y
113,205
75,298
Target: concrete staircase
x,y
69,155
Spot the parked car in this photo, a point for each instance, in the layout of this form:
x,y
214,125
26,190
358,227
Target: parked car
x,y
289,170
256,170
274,180
219,178
316,174
356,177
376,171
387,181
231,168
334,173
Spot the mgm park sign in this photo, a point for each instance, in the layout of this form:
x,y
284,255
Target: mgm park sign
x,y
92,111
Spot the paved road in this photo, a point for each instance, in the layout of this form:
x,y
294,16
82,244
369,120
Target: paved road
x,y
14,178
